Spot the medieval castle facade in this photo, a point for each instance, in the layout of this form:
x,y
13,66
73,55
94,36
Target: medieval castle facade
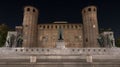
x,y
46,35
59,44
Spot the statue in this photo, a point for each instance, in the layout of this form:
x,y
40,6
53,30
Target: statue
x,y
105,40
60,34
101,41
60,44
10,41
109,41
19,41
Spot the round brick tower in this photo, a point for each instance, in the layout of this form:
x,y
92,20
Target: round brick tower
x,y
90,25
30,26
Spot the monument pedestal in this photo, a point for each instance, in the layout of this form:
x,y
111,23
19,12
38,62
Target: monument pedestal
x,y
60,44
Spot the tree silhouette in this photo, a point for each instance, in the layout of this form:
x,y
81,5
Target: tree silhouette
x,y
3,33
118,42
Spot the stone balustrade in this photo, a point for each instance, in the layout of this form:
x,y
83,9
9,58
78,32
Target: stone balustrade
x,y
57,51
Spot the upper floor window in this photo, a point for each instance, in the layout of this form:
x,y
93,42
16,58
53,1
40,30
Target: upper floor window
x,y
28,9
48,27
94,9
89,9
33,10
51,26
84,11
44,27
76,26
68,26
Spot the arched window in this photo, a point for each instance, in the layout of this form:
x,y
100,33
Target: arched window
x,y
43,26
48,27
86,40
56,26
33,10
51,26
89,9
79,25
67,26
60,26
76,26
28,9
94,9
71,26
84,11
63,26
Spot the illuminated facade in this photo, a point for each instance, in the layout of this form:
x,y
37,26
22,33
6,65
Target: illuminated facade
x,y
46,35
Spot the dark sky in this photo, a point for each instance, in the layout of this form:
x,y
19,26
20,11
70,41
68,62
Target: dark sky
x,y
11,12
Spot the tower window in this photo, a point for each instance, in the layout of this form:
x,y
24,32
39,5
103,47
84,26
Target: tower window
x,y
56,26
110,34
76,26
43,27
94,9
86,40
60,27
90,19
40,26
79,25
84,11
68,26
28,9
48,27
33,10
51,26
89,9
26,25
63,26
72,26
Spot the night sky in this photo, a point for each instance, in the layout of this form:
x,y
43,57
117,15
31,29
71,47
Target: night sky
x,y
11,12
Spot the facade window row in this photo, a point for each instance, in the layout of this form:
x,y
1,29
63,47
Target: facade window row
x,y
60,26
29,9
90,9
